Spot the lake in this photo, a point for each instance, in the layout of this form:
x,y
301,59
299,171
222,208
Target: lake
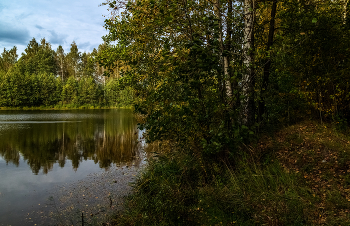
x,y
57,165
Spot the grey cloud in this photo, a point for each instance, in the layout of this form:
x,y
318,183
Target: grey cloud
x,y
59,28
39,27
14,35
57,38
23,16
84,45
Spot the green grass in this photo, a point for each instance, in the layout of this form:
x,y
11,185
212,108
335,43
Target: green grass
x,y
280,180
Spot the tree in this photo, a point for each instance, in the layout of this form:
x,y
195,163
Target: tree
x,y
51,89
87,66
38,58
61,62
268,62
88,91
16,88
8,58
182,57
73,60
248,80
70,93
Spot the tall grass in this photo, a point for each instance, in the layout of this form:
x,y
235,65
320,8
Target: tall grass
x,y
265,188
174,190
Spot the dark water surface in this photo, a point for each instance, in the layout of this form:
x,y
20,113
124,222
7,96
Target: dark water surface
x,y
76,157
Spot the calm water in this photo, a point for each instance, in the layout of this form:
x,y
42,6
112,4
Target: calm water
x,y
43,150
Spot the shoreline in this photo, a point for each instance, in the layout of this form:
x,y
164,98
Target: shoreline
x,y
63,108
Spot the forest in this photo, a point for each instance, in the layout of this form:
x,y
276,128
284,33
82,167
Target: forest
x,y
43,77
248,104
228,68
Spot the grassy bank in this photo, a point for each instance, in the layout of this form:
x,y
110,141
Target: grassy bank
x,y
296,176
66,107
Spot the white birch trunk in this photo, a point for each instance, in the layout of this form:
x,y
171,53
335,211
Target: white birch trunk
x,y
345,10
248,80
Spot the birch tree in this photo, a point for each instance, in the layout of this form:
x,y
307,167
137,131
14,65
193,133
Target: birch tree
x,y
60,59
248,80
73,58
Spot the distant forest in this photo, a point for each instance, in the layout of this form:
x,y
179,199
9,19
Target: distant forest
x,y
49,78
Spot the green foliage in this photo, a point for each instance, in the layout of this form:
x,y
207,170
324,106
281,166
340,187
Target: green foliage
x,y
41,78
117,96
70,91
38,58
73,58
310,63
179,79
15,87
8,58
88,91
341,123
24,90
50,90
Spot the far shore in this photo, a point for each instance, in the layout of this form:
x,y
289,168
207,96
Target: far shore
x,y
65,108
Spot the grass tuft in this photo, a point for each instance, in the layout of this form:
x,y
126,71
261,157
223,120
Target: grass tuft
x,y
281,180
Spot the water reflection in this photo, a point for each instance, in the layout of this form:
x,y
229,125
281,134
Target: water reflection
x,y
44,138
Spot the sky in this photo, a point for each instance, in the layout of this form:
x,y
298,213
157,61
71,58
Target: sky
x,y
60,22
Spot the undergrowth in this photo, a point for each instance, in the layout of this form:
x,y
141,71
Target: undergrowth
x,y
298,176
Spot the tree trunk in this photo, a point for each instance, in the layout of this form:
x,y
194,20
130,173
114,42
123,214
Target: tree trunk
x,y
228,48
224,59
61,69
248,79
345,2
267,65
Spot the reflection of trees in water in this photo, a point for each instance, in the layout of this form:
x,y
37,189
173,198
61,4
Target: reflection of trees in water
x,y
10,155
120,148
106,141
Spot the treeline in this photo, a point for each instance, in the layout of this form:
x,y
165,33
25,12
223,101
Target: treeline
x,y
44,77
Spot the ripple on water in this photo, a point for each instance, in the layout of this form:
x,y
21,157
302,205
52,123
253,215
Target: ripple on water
x,y
50,115
98,197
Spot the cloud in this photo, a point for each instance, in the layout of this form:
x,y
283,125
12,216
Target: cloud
x,y
55,38
14,35
79,20
24,15
84,45
39,27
